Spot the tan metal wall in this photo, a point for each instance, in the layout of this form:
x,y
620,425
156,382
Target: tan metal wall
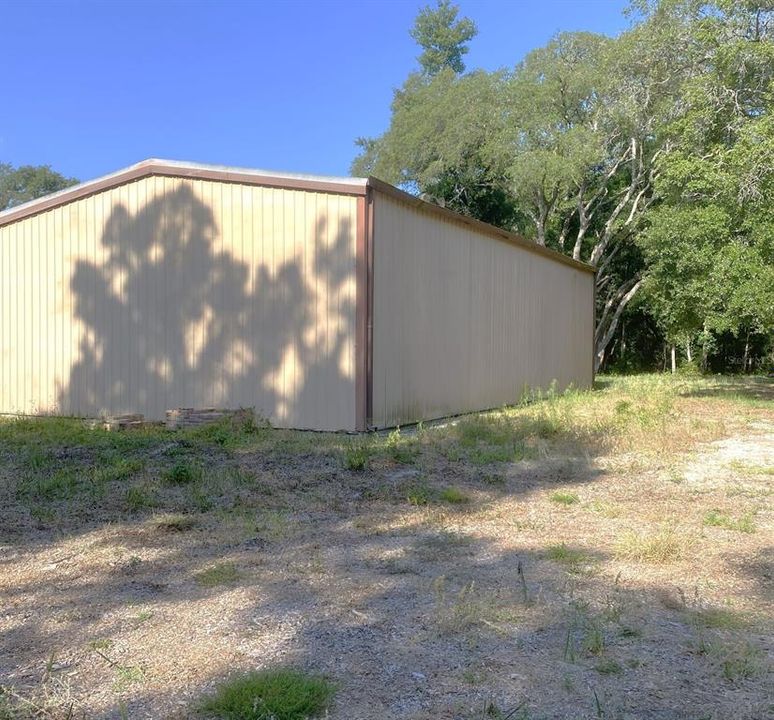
x,y
463,321
169,292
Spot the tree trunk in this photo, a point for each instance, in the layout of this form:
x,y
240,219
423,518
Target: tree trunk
x,y
746,356
688,353
608,323
674,360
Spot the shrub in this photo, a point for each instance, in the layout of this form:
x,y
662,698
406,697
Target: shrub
x,y
271,695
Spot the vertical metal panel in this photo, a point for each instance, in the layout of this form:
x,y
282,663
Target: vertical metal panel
x,y
168,292
464,322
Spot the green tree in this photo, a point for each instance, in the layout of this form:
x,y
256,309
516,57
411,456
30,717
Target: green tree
x,y
438,144
28,182
588,140
710,240
442,37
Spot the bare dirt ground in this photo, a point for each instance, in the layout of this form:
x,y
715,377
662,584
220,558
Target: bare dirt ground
x,y
603,555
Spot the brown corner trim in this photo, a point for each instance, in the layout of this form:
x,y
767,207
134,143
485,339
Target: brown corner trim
x,y
149,168
361,317
364,304
369,199
477,225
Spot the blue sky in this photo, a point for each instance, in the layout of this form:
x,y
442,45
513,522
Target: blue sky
x,y
90,87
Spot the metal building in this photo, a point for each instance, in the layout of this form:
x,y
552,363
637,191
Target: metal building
x,y
325,303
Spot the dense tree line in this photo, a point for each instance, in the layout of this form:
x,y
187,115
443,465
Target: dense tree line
x,y
28,182
649,155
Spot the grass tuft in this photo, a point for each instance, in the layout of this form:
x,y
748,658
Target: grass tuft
x,y
356,456
173,522
221,574
716,518
661,547
564,498
720,619
140,497
402,449
418,495
454,495
271,695
183,473
571,558
608,666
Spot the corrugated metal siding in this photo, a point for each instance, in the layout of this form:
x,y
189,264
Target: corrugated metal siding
x,y
464,322
168,292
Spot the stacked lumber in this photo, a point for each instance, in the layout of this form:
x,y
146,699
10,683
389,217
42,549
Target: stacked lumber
x,y
117,422
191,417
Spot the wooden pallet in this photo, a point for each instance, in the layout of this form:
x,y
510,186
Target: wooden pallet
x,y
192,417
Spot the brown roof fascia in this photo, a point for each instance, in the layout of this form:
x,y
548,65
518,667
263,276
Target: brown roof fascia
x,y
477,225
149,168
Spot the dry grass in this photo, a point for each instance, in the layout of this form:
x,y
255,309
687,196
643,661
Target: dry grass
x,y
595,554
665,545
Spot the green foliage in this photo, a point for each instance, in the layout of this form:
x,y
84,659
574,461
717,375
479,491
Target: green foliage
x,y
649,155
28,182
442,37
271,695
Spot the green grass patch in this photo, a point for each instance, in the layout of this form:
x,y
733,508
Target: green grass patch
x,y
61,484
716,518
140,497
183,472
608,666
173,522
720,619
572,558
116,469
485,429
564,498
356,456
418,495
220,574
236,431
401,448
454,496
488,454
103,644
605,509
126,676
271,695
739,660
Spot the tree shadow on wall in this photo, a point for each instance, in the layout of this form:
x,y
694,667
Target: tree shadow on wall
x,y
172,318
